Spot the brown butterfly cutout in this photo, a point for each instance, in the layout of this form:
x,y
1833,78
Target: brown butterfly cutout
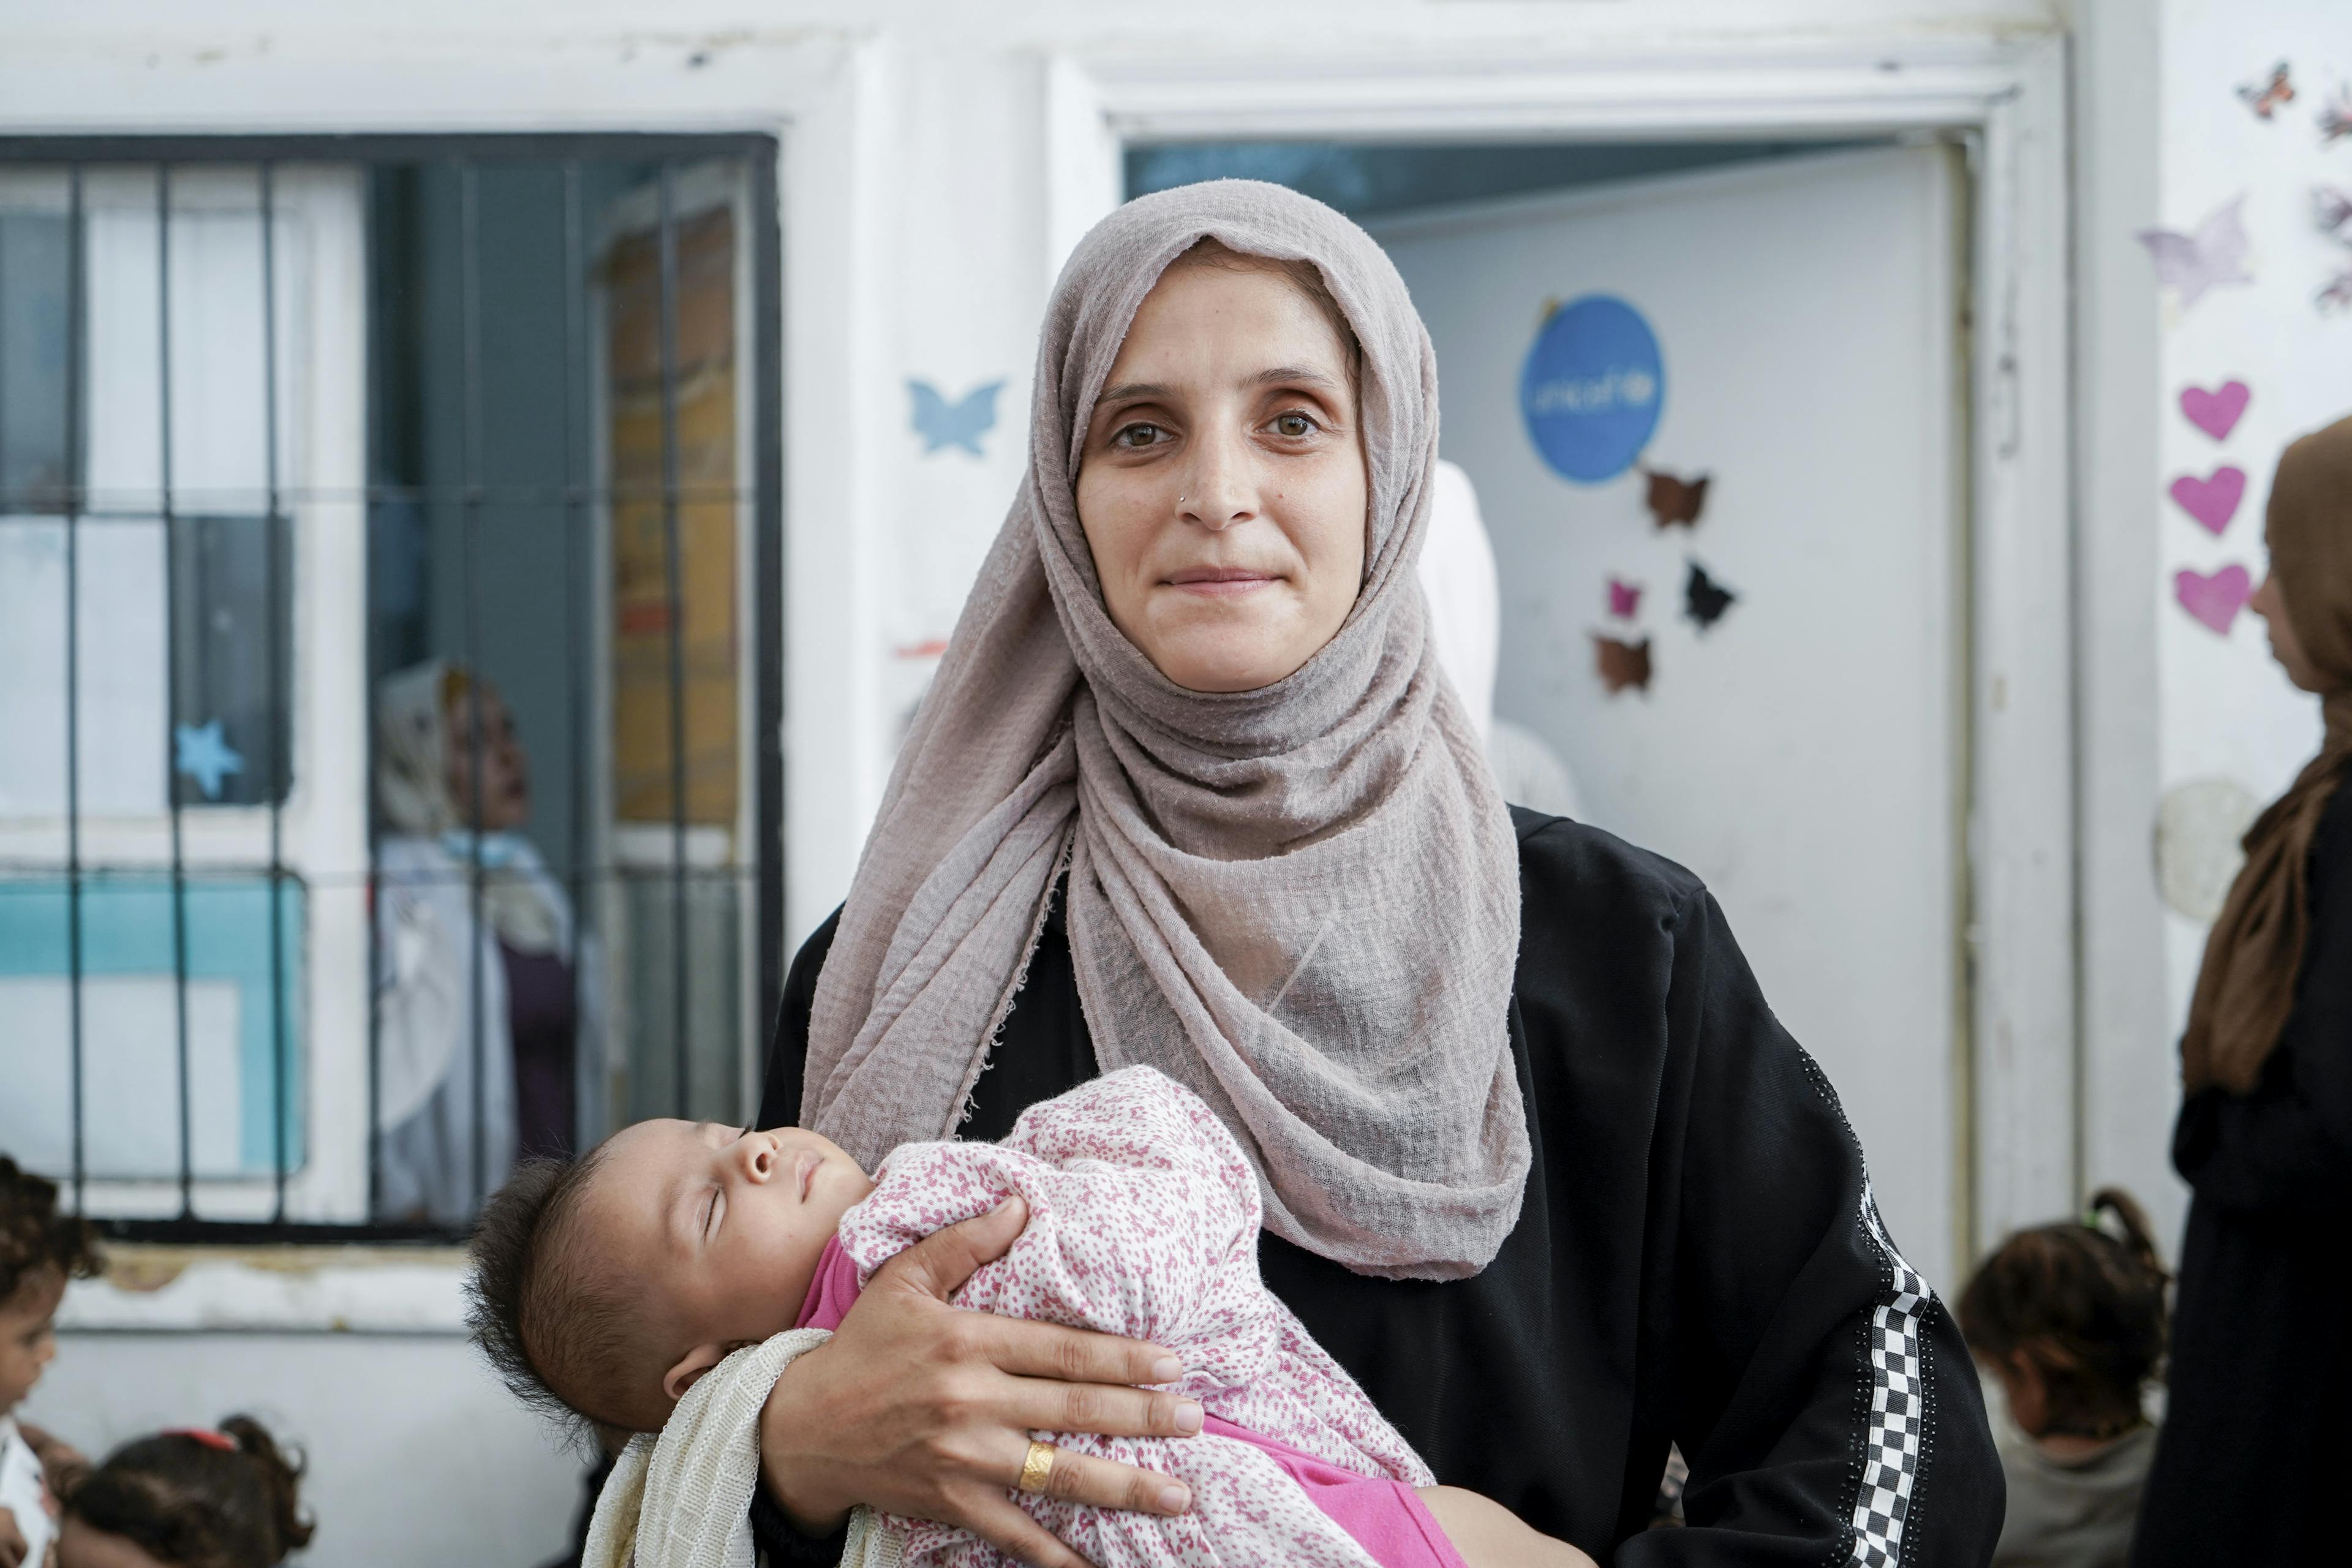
x,y
1674,501
2265,97
1621,664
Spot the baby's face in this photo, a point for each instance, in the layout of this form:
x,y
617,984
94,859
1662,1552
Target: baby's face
x,y
720,1226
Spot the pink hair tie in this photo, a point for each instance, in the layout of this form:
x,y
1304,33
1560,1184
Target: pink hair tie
x,y
204,1435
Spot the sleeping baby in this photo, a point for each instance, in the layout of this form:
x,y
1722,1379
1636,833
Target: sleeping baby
x,y
657,1282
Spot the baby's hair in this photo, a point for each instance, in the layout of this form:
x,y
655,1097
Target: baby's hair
x,y
34,1237
199,1499
2083,1305
553,1326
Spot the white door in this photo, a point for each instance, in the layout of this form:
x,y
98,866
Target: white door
x,y
1803,754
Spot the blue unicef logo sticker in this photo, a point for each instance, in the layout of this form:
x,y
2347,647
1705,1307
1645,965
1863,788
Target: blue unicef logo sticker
x,y
1591,388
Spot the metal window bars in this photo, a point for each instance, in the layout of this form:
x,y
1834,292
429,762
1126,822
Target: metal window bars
x,y
584,170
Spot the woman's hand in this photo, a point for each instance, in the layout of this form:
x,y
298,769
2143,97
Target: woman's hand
x,y
917,1408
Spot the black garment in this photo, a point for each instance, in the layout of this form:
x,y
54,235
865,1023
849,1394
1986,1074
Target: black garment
x,y
543,1021
1692,1263
2258,1426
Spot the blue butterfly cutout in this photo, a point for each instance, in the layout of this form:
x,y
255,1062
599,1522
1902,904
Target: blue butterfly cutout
x,y
202,753
961,424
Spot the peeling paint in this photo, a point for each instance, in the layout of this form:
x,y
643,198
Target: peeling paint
x,y
141,1275
299,1290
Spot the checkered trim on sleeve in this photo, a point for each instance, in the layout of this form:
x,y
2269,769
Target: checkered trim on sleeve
x,y
1898,1419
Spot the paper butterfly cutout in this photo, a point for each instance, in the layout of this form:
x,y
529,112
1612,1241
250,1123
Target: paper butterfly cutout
x,y
202,753
2336,116
2264,98
2214,602
2214,255
1703,598
2331,209
1624,598
1672,501
2337,295
960,424
1621,664
2216,413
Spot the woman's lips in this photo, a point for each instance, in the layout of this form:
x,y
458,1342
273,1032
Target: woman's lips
x,y
1218,582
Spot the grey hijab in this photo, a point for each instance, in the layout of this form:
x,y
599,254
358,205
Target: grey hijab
x,y
1301,901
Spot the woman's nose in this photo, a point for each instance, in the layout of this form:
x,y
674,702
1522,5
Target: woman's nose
x,y
1216,493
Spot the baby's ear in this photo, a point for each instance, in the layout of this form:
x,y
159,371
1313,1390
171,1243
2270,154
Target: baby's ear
x,y
691,1366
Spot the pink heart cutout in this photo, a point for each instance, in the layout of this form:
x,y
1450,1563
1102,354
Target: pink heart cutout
x,y
1624,598
2214,502
2216,413
2214,600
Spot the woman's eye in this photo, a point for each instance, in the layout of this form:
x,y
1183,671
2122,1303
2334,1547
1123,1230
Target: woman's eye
x,y
1296,427
1137,436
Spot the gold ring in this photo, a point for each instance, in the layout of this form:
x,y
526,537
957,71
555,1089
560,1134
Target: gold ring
x,y
1037,1466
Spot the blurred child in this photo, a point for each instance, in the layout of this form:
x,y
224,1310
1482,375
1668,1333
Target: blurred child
x,y
2071,1319
187,1499
40,1249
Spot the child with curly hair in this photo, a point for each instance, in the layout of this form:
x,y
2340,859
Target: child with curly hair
x,y
188,1498
2070,1319
40,1249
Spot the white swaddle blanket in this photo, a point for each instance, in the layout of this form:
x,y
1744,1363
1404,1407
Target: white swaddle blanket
x,y
683,1499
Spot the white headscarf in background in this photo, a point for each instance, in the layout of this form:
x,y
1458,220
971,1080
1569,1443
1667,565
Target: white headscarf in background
x,y
1465,624
1302,901
411,789
1465,615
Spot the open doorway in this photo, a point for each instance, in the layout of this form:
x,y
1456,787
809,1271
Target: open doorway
x,y
1712,398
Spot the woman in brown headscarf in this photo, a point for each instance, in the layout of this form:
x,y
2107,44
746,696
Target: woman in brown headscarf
x,y
2258,1433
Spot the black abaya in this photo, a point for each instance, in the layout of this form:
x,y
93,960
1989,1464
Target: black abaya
x,y
2255,1436
1697,1260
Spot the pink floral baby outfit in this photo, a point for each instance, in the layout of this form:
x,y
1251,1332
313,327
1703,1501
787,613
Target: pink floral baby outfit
x,y
1143,1220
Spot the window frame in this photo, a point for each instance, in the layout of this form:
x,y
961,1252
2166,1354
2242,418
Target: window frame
x,y
325,1198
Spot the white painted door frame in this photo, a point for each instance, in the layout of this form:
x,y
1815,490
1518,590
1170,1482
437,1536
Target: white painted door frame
x,y
2018,1085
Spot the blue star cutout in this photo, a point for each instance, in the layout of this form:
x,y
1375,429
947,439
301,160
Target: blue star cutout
x,y
200,752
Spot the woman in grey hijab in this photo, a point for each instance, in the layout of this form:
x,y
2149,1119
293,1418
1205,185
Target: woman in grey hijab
x,y
1190,788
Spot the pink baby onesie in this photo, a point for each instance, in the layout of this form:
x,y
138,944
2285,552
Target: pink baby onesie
x,y
1143,1220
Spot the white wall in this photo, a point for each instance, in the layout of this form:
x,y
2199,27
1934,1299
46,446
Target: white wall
x,y
2163,138
2226,712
